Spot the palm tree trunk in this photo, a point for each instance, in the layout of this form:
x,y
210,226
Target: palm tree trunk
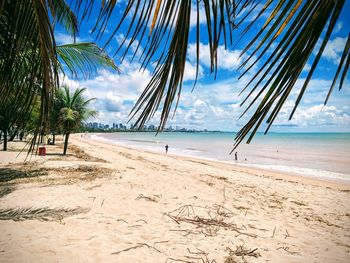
x,y
12,137
66,143
53,138
5,140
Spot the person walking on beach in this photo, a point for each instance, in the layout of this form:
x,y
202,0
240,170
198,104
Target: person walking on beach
x,y
236,156
166,148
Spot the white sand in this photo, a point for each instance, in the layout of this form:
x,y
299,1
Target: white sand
x,y
286,218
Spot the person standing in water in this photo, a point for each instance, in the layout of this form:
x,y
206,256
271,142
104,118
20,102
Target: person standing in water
x,y
236,156
166,148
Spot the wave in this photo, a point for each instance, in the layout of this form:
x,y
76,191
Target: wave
x,y
307,172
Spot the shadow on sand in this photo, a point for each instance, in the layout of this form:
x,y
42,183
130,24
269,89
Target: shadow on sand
x,y
9,174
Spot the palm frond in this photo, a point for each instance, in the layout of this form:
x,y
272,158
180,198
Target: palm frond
x,y
297,27
163,27
71,109
62,13
41,214
84,59
29,66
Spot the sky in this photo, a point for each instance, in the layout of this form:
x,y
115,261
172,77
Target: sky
x,y
214,104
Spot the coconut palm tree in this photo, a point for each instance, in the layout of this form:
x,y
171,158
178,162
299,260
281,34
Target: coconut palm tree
x,y
73,109
295,29
30,60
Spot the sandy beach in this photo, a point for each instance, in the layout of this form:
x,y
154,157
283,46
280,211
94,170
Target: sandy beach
x,y
108,203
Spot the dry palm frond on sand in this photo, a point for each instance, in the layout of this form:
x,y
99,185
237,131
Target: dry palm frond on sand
x,y
41,214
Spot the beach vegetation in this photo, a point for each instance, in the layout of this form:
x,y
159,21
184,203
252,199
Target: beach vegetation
x,y
31,62
72,109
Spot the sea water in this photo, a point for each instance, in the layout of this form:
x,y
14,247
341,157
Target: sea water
x,y
321,155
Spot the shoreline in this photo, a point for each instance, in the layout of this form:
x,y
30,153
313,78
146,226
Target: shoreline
x,y
248,168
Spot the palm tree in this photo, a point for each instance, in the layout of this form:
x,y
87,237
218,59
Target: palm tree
x,y
30,60
293,27
73,109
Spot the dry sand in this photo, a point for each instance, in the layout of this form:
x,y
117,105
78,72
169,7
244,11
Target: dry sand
x,y
114,204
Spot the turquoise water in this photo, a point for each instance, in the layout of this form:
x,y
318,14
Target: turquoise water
x,y
324,155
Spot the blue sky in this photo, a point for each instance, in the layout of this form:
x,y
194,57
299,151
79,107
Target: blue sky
x,y
215,104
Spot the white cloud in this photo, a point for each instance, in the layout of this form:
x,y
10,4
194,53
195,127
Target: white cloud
x,y
113,103
338,27
227,59
213,106
190,71
334,49
115,93
134,47
315,116
62,39
202,16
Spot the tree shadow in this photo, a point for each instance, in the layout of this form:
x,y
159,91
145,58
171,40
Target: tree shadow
x,y
9,174
59,154
5,190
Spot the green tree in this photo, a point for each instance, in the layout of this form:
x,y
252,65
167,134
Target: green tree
x,y
73,109
30,60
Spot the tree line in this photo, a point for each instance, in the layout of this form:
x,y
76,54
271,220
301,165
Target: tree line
x,y
69,110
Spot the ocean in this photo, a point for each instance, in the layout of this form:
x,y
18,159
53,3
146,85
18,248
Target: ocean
x,y
320,155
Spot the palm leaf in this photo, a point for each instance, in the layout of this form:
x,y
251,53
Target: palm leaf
x,y
295,26
166,45
287,61
84,59
29,64
71,109
63,15
41,214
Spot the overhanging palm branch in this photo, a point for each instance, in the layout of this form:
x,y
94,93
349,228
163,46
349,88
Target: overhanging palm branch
x,y
162,27
84,59
29,63
26,35
296,27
